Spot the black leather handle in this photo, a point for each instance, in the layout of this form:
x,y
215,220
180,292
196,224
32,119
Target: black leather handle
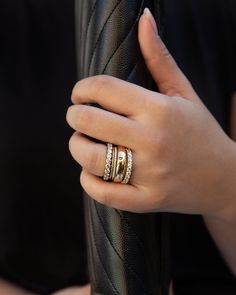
x,y
125,249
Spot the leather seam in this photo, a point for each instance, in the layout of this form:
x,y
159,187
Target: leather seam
x,y
88,24
113,247
133,69
100,33
90,18
124,39
92,273
117,292
128,224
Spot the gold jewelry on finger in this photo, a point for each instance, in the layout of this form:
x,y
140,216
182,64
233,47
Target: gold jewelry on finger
x,y
121,163
108,162
114,160
129,167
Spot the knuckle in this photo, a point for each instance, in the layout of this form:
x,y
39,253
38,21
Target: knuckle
x,y
98,83
155,143
162,197
164,177
74,92
163,55
84,118
159,105
165,110
172,88
93,161
164,104
71,143
163,173
165,52
95,84
82,179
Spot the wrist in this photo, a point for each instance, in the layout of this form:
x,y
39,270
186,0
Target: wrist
x,y
227,185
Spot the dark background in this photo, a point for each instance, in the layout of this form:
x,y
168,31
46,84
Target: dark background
x,y
41,211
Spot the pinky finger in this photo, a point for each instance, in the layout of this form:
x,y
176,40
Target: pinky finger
x,y
120,196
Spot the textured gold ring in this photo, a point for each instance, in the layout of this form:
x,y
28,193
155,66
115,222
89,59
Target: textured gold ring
x,y
129,167
108,163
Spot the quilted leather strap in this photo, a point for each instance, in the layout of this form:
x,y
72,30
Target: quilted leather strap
x,y
126,250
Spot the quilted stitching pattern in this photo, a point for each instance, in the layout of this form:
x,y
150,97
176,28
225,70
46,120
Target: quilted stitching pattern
x,y
125,249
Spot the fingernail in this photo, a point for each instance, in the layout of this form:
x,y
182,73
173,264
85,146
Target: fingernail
x,y
151,19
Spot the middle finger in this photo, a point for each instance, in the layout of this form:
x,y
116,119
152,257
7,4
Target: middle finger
x,y
103,125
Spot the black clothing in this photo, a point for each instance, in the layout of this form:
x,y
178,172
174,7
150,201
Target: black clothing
x,y
41,213
201,36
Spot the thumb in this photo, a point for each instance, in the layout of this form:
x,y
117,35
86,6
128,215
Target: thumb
x,y
166,73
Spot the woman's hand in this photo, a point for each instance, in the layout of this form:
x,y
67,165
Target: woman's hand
x,y
182,158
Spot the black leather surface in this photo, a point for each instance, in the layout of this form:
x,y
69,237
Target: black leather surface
x,y
126,250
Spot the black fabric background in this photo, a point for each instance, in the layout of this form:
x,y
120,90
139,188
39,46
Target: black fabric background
x,y
201,36
41,212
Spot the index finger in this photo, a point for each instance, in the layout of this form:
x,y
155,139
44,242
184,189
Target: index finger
x,y
113,94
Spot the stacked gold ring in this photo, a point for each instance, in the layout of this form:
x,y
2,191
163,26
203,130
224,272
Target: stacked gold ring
x,y
118,165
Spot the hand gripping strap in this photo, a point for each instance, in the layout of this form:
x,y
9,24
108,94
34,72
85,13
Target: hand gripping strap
x,y
128,253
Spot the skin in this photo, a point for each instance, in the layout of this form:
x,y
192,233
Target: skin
x,y
183,161
7,288
75,291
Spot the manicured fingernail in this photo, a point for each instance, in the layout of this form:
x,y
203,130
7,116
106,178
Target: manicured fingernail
x,y
151,19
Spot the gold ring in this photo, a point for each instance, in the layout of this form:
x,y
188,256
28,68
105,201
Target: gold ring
x,y
129,167
114,160
108,163
121,164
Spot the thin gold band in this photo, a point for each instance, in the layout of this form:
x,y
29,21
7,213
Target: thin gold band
x,y
129,167
108,163
114,160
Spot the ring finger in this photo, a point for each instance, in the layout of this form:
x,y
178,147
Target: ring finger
x,y
92,157
88,154
103,125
